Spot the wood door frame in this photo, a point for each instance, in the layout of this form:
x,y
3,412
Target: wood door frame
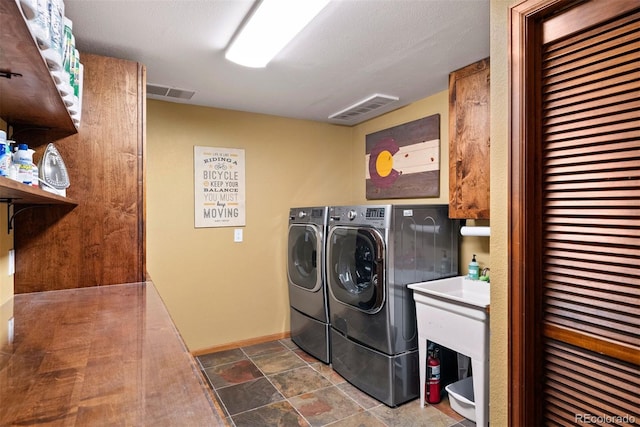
x,y
525,261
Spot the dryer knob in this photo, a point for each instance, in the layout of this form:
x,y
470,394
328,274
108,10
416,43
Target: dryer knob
x,y
302,214
352,214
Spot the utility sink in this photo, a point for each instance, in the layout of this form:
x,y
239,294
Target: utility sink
x,y
456,290
454,313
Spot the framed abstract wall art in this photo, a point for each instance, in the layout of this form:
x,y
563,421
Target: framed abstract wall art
x,y
404,161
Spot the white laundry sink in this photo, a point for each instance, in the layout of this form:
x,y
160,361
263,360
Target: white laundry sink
x,y
456,289
454,313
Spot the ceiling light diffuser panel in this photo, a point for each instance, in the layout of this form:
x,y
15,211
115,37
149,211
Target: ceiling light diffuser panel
x,y
273,24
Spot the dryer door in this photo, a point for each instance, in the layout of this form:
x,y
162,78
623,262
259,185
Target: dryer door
x,y
355,267
304,258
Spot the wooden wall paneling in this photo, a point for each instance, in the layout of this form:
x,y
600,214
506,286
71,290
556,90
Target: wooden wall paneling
x,y
100,241
142,176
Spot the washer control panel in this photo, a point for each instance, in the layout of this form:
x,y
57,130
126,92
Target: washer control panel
x,y
374,216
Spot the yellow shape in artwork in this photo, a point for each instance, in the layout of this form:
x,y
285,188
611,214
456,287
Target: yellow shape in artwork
x,y
384,163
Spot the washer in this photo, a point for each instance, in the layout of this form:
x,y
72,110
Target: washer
x,y
306,276
373,252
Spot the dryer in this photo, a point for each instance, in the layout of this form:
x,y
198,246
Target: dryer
x,y
306,277
373,253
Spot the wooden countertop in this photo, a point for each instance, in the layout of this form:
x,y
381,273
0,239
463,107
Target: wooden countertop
x,y
107,355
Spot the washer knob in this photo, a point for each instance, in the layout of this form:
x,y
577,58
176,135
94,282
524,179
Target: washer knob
x,y
302,214
352,214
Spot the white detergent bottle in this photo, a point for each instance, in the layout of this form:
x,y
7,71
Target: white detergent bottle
x,y
53,55
5,154
40,26
24,159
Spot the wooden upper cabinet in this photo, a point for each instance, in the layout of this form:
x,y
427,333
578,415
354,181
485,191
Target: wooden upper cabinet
x,y
469,142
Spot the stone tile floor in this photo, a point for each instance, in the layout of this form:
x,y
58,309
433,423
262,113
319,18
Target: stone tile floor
x,y
278,384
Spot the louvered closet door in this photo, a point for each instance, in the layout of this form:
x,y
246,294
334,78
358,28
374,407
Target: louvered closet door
x,y
591,220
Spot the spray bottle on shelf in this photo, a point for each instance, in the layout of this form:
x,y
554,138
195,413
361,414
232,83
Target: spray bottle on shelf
x,y
474,269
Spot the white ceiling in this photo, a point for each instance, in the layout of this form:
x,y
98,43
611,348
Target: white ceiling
x,y
352,50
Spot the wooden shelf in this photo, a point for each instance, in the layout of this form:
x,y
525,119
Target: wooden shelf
x,y
30,100
18,193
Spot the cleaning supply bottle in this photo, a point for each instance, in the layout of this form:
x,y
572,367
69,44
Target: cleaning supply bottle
x,y
41,24
5,154
24,159
474,269
35,179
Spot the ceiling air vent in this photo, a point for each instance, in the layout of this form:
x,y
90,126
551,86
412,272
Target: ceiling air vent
x,y
363,110
159,92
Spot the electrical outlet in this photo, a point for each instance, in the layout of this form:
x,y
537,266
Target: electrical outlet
x,y
12,262
237,235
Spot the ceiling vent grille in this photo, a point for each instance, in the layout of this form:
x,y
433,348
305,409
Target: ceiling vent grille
x,y
364,109
158,91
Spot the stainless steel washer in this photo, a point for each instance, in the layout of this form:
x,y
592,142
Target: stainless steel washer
x,y
373,252
306,277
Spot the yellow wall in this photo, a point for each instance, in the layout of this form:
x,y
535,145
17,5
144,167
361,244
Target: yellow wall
x,y
6,281
6,243
498,358
220,292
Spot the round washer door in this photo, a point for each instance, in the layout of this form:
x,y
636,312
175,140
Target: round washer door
x,y
305,250
355,267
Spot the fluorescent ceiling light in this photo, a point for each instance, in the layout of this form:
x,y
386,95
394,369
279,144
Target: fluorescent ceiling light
x,y
271,27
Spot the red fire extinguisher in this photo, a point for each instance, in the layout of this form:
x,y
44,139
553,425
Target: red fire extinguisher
x,y
433,377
